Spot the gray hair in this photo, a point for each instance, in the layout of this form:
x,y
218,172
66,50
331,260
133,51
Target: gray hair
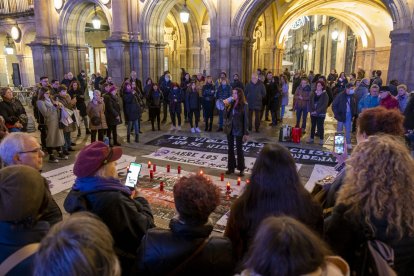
x,y
72,250
12,144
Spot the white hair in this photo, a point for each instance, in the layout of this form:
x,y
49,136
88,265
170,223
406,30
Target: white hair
x,y
12,144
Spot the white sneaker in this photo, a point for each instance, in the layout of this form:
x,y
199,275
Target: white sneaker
x,y
179,128
172,128
197,130
192,130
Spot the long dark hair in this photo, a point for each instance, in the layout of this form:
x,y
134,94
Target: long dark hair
x,y
275,189
241,99
284,246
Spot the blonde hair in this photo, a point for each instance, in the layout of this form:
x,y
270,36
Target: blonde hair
x,y
379,184
403,86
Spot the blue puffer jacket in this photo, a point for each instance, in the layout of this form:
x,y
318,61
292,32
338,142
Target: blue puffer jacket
x,y
132,108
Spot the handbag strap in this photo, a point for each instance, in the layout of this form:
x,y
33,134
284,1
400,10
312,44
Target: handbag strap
x,y
189,259
17,257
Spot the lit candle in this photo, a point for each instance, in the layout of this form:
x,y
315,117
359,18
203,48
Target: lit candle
x,y
161,186
149,164
154,167
238,181
168,168
228,187
222,177
179,169
151,174
247,181
201,172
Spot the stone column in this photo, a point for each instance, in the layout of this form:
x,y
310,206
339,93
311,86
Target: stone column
x,y
214,67
41,9
278,61
149,60
26,70
159,49
118,59
248,61
3,72
238,49
401,66
119,19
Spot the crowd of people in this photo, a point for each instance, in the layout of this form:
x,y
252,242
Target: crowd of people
x,y
275,227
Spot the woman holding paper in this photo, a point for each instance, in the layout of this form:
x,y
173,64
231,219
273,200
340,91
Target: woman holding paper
x,y
69,105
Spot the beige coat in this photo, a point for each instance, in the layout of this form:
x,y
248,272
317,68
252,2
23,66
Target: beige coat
x,y
52,116
96,110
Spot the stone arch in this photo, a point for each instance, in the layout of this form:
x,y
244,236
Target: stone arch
x,y
73,18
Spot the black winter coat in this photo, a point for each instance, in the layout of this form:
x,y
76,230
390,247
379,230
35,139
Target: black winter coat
x,y
162,251
339,106
112,110
11,110
80,100
239,120
155,99
409,114
345,234
192,100
131,106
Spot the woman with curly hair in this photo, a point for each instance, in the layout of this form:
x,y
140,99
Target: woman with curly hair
x,y
376,201
75,91
187,248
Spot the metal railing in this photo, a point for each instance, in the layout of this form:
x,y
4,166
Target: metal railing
x,y
12,8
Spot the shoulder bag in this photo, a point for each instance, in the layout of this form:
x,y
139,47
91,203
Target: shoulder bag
x,y
17,257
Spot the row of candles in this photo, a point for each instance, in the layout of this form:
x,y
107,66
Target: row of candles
x,y
154,169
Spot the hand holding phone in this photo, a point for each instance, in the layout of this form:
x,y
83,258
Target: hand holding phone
x,y
339,143
133,174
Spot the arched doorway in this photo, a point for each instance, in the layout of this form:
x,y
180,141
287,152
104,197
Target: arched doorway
x,y
370,21
82,44
169,44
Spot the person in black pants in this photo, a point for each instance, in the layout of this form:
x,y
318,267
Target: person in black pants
x,y
237,129
208,103
112,114
175,99
166,87
193,104
155,98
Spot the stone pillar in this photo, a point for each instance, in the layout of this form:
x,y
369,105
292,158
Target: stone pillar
x,y
278,61
238,49
26,70
3,73
159,49
214,67
119,19
248,61
149,62
118,59
81,56
401,66
41,9
42,60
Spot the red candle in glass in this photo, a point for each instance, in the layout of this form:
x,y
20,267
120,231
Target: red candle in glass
x,y
154,167
149,164
151,174
168,168
201,172
228,187
161,186
238,181
222,177
247,181
179,169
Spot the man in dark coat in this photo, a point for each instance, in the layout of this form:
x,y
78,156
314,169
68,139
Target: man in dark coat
x,y
255,93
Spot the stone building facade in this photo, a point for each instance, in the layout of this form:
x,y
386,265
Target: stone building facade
x,y
235,36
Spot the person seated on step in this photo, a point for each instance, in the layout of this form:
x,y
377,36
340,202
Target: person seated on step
x,y
23,199
187,248
72,250
21,148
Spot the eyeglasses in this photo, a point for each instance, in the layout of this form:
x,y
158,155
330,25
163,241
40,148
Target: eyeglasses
x,y
36,150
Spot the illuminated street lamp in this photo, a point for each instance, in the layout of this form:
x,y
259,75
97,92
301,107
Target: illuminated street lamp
x,y
96,22
305,46
9,46
335,35
185,13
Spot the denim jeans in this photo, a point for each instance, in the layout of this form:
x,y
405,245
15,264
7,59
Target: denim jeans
x,y
299,112
282,112
221,118
348,127
134,124
68,141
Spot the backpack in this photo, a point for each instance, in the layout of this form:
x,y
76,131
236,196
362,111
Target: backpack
x,y
374,258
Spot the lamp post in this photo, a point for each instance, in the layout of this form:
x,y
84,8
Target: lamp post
x,y
185,13
96,22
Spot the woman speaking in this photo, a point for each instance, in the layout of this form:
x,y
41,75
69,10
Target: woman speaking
x,y
236,128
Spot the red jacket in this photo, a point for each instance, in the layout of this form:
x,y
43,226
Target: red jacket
x,y
389,102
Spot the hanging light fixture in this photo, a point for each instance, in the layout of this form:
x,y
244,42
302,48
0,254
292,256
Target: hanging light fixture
x,y
305,46
335,34
185,13
96,22
9,46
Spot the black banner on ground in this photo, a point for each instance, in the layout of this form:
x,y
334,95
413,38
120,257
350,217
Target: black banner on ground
x,y
251,149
